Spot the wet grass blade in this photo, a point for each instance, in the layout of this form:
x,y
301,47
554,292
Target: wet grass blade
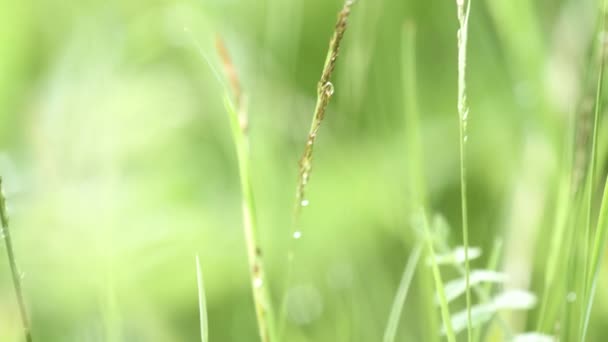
x,y
239,124
325,90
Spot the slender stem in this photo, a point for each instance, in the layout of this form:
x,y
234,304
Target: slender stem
x,y
596,260
6,233
487,288
463,112
325,90
202,303
590,272
408,274
239,124
443,302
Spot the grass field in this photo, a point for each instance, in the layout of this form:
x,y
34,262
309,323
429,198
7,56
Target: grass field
x,y
230,170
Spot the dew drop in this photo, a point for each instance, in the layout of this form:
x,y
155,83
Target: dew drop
x,y
297,235
466,138
328,88
305,203
257,282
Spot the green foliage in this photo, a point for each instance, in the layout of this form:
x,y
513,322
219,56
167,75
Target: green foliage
x,y
118,165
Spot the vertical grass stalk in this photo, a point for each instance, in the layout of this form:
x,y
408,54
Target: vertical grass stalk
x,y
463,113
443,301
202,303
596,260
592,260
325,90
10,252
240,134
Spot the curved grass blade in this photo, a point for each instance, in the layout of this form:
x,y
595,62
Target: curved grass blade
x,y
239,124
408,273
596,259
6,233
592,261
439,286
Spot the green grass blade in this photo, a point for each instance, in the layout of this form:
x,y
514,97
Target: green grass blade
x,y
6,233
202,303
463,113
592,263
439,286
408,273
240,130
492,266
596,259
263,305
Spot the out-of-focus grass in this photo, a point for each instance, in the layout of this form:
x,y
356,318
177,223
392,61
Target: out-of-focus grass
x,y
119,166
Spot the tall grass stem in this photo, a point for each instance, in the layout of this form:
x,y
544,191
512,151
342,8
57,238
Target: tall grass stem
x,y
240,134
464,11
16,275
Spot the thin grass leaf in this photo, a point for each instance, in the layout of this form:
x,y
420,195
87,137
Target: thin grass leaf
x,y
408,273
439,286
202,303
12,260
239,124
487,287
592,261
464,11
257,274
596,259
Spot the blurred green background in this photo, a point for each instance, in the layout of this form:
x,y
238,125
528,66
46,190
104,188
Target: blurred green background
x,y
119,166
